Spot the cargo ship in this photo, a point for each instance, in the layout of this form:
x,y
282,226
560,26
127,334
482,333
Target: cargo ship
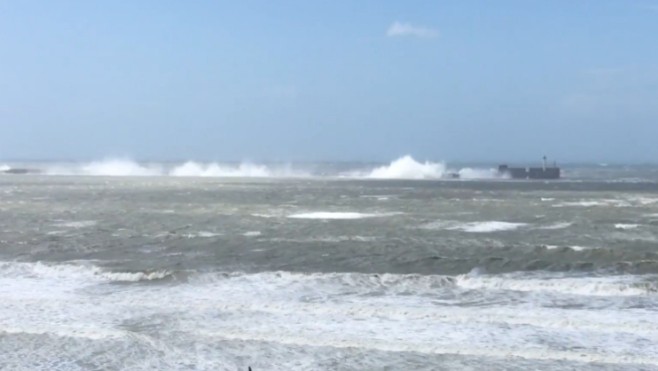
x,y
543,172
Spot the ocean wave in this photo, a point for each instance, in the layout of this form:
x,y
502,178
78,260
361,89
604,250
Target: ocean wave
x,y
558,225
473,227
285,314
200,234
595,203
252,233
589,286
245,170
573,247
405,167
78,275
489,226
74,272
76,224
338,215
560,283
107,167
625,227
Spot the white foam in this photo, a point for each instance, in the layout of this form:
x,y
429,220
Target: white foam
x,y
128,167
206,234
82,274
245,169
594,203
200,234
625,227
267,216
378,197
574,247
407,167
4,168
558,225
252,234
488,226
338,215
77,224
107,167
466,315
642,200
590,286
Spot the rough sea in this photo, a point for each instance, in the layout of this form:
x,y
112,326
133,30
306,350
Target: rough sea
x,y
116,265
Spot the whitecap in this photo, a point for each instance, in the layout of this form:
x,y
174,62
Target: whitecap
x,y
202,234
558,225
77,224
488,226
625,227
407,167
590,286
337,215
242,170
573,247
593,203
107,167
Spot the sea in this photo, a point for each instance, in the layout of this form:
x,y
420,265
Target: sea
x,y
124,265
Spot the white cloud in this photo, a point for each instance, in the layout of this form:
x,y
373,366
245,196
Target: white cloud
x,y
407,29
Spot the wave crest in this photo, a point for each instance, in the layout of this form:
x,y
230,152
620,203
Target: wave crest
x,y
245,169
81,273
107,167
407,167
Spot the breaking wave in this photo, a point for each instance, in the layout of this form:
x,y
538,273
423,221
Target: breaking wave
x,y
473,227
485,227
130,168
589,286
338,215
625,227
405,167
72,272
419,314
107,167
246,169
557,225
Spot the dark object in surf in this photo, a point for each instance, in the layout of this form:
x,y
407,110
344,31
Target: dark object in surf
x,y
19,171
544,172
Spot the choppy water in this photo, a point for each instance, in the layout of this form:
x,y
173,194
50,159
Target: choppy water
x,y
325,273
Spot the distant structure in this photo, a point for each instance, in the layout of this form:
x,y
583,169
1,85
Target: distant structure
x,y
544,172
20,171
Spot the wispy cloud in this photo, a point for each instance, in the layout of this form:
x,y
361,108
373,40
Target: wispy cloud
x,y
407,29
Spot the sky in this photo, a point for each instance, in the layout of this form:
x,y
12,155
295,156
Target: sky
x,y
330,80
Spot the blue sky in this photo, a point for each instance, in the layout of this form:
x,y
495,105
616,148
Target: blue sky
x,y
330,80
